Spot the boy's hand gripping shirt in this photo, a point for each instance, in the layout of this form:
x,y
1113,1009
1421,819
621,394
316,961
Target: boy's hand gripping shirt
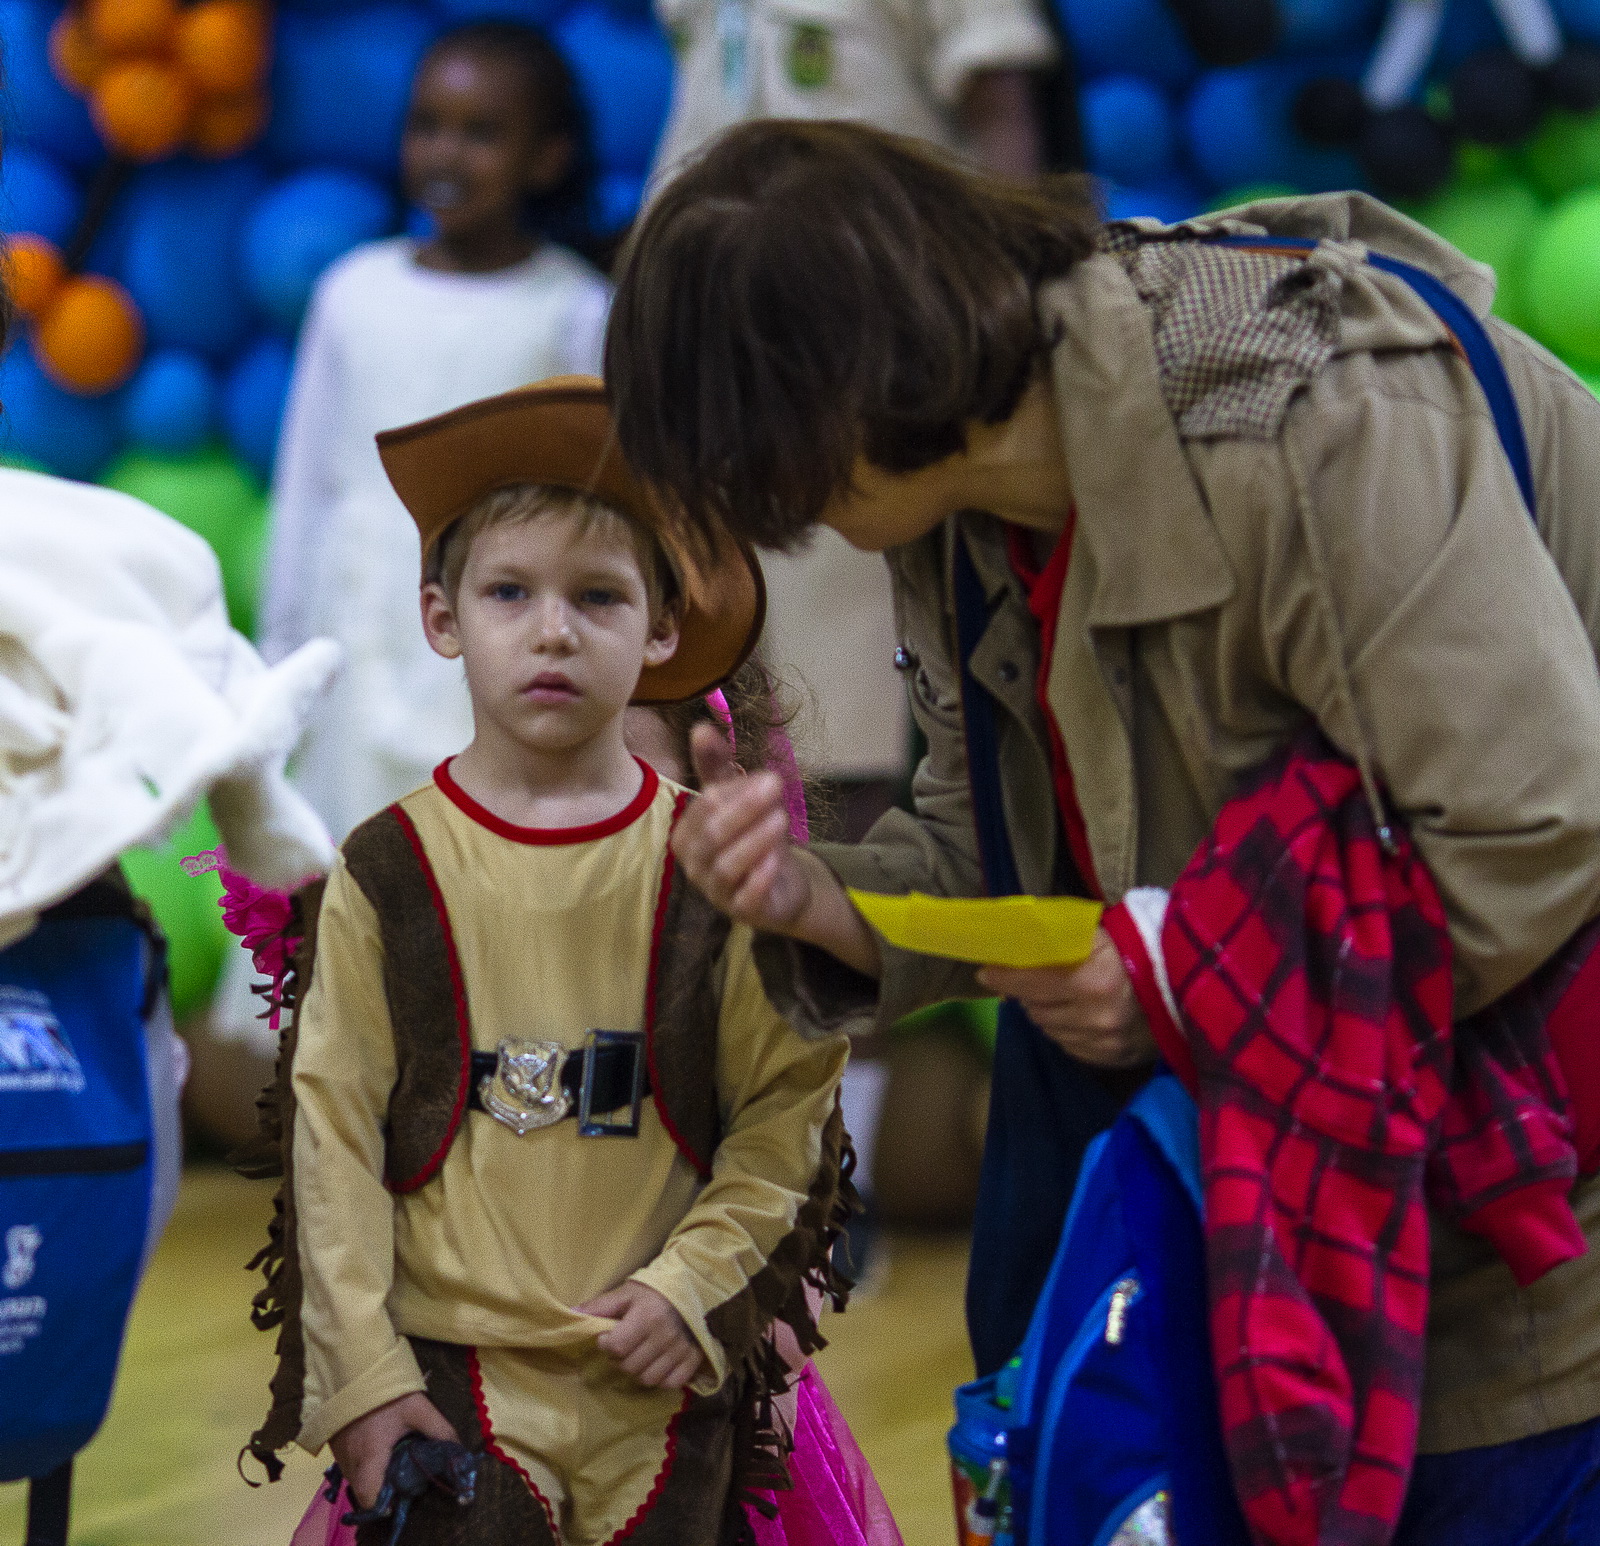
x,y
553,933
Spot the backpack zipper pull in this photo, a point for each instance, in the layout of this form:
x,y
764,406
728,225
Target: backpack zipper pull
x,y
1122,1295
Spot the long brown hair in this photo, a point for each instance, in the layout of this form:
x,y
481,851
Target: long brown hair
x,y
805,293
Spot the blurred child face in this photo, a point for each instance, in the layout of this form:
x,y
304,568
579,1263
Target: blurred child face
x,y
473,151
553,626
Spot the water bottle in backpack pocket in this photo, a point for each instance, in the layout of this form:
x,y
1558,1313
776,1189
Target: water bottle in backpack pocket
x,y
1106,1430
76,1169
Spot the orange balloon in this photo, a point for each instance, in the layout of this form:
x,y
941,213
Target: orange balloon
x,y
142,108
223,126
90,340
223,44
132,26
74,54
33,272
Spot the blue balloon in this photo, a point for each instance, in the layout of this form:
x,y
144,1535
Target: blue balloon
x,y
1130,132
1128,37
340,84
181,256
1240,131
37,195
536,13
1318,26
1581,18
625,72
252,402
1469,26
617,197
71,435
1170,202
171,404
35,108
299,227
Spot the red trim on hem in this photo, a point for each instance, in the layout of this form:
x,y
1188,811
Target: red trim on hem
x,y
458,992
659,1485
549,836
1533,1229
657,931
493,1446
1141,970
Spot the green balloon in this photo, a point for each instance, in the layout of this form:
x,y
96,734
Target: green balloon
x,y
1483,163
212,494
1561,279
1252,193
975,1019
1564,155
1494,222
186,908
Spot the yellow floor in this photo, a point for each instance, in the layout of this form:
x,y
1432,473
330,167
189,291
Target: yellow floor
x,y
193,1382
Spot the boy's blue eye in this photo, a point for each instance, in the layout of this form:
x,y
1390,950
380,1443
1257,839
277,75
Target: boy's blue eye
x,y
599,596
507,591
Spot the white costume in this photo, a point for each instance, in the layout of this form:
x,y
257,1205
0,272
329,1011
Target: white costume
x,y
901,65
387,342
125,697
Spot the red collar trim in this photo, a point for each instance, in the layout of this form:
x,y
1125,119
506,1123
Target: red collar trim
x,y
549,836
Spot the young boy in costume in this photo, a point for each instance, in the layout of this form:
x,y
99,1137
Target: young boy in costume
x,y
556,1166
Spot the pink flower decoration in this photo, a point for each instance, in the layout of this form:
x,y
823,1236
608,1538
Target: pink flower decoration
x,y
261,920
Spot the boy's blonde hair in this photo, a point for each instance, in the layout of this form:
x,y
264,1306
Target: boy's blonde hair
x,y
520,502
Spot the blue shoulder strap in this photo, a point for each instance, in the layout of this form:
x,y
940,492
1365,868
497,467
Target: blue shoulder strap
x,y
1468,332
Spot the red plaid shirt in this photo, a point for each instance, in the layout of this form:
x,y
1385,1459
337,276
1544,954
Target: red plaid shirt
x,y
1310,973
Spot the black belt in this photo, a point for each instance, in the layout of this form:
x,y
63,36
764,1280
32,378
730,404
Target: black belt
x,y
610,1072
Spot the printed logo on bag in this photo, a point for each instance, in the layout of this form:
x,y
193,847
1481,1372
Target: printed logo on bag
x,y
34,1051
22,1251
810,56
21,1320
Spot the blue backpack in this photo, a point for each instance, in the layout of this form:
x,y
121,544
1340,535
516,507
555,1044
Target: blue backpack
x,y
1103,1430
76,1174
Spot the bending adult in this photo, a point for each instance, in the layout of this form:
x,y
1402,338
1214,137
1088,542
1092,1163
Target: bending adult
x,y
1211,497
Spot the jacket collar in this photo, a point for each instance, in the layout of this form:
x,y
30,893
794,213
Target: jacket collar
x,y
1140,514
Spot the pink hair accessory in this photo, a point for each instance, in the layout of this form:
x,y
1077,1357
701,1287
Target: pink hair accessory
x,y
782,762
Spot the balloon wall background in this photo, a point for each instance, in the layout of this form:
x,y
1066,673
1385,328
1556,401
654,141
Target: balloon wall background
x,y
1172,135
174,179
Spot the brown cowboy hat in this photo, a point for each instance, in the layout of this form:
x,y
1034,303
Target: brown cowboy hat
x,y
559,433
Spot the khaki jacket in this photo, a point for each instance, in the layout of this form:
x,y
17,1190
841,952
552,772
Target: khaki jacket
x,y
1292,506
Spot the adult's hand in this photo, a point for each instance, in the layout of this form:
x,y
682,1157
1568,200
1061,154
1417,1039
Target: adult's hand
x,y
733,842
1088,1010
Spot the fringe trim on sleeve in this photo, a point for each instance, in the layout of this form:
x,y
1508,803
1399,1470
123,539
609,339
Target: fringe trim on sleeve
x,y
746,1324
276,1305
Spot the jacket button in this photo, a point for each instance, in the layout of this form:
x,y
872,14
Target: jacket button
x,y
904,660
1008,671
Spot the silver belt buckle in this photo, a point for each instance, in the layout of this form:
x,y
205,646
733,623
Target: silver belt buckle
x,y
525,1090
590,1124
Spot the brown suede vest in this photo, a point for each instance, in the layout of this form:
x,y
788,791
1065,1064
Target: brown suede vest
x,y
431,1017
428,1008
